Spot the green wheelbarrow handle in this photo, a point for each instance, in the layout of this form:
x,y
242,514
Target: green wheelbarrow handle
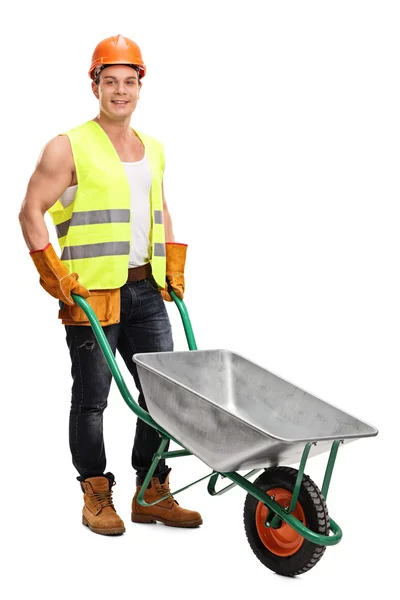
x,y
185,319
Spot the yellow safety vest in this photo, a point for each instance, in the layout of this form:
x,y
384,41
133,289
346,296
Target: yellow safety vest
x,y
94,232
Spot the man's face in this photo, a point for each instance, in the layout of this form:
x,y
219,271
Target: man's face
x,y
118,91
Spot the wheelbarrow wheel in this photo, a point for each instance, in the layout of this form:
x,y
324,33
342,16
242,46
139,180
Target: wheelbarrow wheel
x,y
283,550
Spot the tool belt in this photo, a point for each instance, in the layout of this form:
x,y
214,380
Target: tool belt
x,y
105,303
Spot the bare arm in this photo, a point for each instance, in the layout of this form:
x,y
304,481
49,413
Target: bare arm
x,y
54,172
169,234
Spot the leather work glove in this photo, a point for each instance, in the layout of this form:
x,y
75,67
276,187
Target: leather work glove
x,y
54,277
176,258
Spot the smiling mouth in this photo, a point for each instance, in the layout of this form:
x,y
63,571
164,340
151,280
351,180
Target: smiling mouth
x,y
121,102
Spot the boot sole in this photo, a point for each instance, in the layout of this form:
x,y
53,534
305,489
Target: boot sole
x,y
113,531
135,518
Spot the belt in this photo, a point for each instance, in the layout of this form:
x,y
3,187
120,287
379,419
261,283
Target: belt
x,y
139,273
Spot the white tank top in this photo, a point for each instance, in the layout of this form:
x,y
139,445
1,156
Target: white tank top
x,y
139,177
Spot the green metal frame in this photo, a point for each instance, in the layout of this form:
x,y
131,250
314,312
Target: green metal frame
x,y
277,513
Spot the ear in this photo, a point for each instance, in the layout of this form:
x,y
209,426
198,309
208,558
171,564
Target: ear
x,y
95,89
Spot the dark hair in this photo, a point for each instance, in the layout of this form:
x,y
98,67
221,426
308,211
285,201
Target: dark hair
x,y
96,78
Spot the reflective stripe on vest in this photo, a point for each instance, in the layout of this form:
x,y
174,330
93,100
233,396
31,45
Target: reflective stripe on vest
x,y
95,250
93,217
96,243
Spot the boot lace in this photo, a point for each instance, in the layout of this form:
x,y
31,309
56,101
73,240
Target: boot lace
x,y
103,498
163,490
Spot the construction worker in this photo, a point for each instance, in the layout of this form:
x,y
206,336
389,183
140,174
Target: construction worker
x,y
102,183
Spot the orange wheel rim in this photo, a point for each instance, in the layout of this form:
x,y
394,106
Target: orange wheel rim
x,y
284,541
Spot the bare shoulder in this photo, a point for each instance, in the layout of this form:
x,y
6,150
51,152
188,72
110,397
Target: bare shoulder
x,y
56,156
53,174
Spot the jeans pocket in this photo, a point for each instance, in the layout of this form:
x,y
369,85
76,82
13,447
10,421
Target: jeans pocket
x,y
152,283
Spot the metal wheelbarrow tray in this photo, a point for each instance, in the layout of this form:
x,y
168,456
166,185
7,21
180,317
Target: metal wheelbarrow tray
x,y
235,415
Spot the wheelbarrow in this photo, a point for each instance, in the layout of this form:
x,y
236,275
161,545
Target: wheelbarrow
x,y
236,416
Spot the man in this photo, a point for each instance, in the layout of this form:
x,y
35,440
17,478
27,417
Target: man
x,y
102,183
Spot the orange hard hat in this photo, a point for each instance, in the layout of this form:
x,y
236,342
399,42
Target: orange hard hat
x,y
117,50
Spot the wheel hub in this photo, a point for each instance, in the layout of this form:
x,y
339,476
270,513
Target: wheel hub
x,y
282,540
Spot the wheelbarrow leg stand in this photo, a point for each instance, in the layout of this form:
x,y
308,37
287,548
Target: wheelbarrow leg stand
x,y
161,454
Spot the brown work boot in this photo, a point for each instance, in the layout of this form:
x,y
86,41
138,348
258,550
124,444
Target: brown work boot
x,y
168,511
98,512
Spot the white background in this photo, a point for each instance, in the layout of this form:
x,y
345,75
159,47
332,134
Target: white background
x,y
281,128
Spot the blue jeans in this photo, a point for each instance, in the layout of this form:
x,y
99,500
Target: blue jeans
x,y
144,327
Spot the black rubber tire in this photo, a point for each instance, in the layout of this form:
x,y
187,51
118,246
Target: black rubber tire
x,y
316,516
